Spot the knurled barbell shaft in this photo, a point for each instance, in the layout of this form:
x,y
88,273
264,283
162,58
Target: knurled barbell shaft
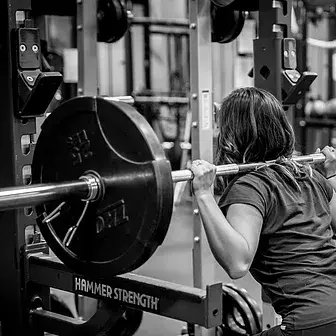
x,y
231,169
32,195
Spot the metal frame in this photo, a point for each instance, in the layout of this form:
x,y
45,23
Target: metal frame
x,y
12,238
147,48
302,21
196,306
128,42
168,27
274,26
87,47
305,124
201,107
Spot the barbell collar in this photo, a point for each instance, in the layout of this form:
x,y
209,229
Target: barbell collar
x,y
95,186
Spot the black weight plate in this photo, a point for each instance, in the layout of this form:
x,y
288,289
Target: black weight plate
x,y
242,5
255,309
121,231
222,3
128,324
237,315
226,24
123,23
112,22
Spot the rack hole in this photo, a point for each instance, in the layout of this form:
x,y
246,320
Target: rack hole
x,y
32,234
265,72
26,174
28,211
282,4
29,234
25,144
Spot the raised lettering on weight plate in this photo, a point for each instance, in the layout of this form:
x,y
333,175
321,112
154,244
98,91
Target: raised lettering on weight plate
x,y
79,146
111,216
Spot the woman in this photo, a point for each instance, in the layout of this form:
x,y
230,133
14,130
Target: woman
x,y
277,221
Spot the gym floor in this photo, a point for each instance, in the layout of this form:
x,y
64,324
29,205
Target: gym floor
x,y
173,262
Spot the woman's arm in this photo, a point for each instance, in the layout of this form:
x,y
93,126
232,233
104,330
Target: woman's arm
x,y
233,240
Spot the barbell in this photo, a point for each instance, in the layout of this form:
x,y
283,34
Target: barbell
x,y
89,186
102,186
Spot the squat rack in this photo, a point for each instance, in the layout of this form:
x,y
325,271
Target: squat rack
x,y
29,271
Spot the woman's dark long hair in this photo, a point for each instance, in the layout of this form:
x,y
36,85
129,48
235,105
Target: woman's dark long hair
x,y
253,127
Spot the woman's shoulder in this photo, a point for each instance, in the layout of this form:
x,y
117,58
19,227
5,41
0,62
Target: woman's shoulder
x,y
264,179
323,183
256,179
264,175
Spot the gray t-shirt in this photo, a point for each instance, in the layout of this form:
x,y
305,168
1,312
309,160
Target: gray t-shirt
x,y
296,258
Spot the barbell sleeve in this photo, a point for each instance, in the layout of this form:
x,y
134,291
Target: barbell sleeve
x,y
32,195
231,169
146,21
169,100
125,99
